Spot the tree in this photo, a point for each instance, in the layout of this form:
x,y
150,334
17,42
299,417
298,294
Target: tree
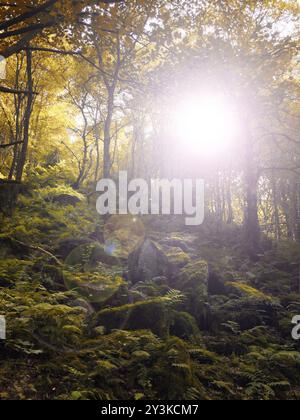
x,y
23,22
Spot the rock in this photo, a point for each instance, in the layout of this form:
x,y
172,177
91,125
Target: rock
x,y
82,303
147,315
177,257
123,234
177,243
184,326
66,246
89,255
66,199
162,281
147,262
168,224
94,287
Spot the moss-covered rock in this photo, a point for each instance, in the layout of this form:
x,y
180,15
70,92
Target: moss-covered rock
x,y
177,257
123,234
184,325
95,287
63,195
89,255
147,262
183,242
150,315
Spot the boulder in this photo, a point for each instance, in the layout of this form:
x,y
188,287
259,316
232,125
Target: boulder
x,y
177,257
94,287
66,246
147,262
177,243
145,315
184,326
66,199
89,256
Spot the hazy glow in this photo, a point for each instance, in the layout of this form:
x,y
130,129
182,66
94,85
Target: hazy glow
x,y
207,124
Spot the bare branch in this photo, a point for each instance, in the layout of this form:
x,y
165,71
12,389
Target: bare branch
x,y
37,26
4,89
27,15
4,146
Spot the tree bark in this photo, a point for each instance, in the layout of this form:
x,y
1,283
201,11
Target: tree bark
x,y
251,221
107,135
27,116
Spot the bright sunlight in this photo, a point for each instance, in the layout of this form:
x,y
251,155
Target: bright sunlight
x,y
208,124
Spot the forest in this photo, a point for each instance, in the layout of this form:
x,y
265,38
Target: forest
x,y
98,302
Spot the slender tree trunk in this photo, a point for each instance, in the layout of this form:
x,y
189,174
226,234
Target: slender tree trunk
x,y
27,116
286,206
18,127
276,209
296,211
97,141
107,134
230,217
251,222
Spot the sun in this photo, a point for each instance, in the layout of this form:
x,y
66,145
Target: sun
x,y
206,124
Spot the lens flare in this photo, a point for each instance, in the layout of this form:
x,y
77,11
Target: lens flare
x,y
122,234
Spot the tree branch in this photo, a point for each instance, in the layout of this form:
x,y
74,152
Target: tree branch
x,y
4,146
37,248
27,15
4,89
18,46
37,26
52,50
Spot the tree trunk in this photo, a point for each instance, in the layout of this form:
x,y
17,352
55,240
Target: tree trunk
x,y
276,209
251,221
27,116
230,216
107,134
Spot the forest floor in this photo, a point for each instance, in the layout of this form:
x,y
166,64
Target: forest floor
x,y
203,321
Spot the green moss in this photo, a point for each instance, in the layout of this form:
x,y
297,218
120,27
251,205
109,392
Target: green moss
x,y
50,193
204,356
123,234
194,277
288,364
173,371
152,314
87,256
14,270
141,355
95,287
184,325
141,315
260,391
177,257
59,347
